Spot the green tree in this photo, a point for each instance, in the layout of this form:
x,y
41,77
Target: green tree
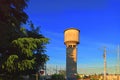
x,y
21,50
12,16
39,52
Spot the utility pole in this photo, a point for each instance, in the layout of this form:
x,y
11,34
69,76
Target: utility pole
x,y
37,76
56,69
118,58
104,56
45,70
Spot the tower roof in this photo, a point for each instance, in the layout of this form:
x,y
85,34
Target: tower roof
x,y
72,28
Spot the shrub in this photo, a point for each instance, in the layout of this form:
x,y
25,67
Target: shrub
x,y
58,77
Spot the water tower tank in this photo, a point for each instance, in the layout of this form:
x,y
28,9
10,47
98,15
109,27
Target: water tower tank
x,y
71,35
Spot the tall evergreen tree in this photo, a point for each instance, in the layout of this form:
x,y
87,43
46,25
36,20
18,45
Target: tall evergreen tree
x,y
21,50
40,50
12,16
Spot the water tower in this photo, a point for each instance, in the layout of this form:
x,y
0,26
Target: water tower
x,y
71,39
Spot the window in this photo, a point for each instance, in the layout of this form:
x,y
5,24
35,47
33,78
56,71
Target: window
x,y
74,45
70,46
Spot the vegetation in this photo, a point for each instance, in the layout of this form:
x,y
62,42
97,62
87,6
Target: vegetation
x,y
78,77
21,50
58,77
62,72
94,77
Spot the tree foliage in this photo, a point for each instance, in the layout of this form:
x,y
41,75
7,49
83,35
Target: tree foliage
x,y
22,58
39,51
12,12
12,16
58,77
21,50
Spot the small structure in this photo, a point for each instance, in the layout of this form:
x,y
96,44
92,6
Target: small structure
x,y
71,39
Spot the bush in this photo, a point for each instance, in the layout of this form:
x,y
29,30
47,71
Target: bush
x,y
58,77
78,77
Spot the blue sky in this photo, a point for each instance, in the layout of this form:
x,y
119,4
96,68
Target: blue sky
x,y
99,24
